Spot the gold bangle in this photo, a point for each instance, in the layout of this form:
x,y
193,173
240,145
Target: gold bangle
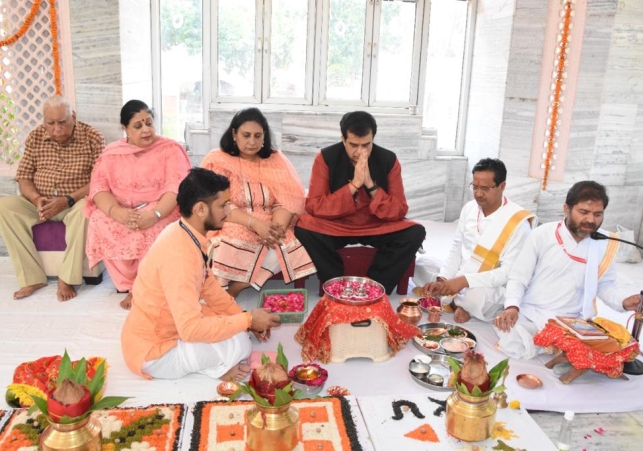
x,y
109,210
250,222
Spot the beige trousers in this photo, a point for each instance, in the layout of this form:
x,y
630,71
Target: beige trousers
x,y
17,217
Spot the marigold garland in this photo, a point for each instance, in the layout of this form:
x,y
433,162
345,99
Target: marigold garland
x,y
23,29
557,87
55,46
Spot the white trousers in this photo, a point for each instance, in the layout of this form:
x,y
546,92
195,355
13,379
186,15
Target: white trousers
x,y
211,359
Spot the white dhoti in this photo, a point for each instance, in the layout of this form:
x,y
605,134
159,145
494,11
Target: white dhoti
x,y
211,359
518,343
481,303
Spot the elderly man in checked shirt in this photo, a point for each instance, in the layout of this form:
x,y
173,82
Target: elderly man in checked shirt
x,y
53,178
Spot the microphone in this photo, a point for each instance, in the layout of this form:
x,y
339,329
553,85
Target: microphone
x,y
596,235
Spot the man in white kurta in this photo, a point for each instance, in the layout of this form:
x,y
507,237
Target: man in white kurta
x,y
560,272
490,234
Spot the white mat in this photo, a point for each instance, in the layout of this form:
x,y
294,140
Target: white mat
x,y
388,434
90,325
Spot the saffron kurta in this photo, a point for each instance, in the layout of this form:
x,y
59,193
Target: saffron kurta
x,y
133,175
258,187
174,298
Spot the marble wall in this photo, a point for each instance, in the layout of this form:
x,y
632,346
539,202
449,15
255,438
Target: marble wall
x,y
606,137
300,135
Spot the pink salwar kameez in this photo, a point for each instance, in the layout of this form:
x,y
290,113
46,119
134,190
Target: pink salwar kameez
x,y
258,187
134,176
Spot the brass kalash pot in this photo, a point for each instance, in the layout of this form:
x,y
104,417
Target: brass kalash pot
x,y
470,418
273,428
84,435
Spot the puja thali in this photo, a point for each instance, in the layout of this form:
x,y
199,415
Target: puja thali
x,y
355,291
444,339
437,375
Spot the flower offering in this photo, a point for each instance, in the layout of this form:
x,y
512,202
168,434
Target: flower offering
x,y
281,303
351,290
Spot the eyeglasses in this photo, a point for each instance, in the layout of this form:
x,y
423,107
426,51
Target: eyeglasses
x,y
484,189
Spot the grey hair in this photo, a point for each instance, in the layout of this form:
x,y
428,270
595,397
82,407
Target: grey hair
x,y
56,101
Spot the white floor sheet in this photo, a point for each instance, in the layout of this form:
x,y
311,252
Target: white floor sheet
x,y
90,325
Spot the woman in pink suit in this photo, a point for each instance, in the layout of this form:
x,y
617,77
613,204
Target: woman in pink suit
x,y
132,195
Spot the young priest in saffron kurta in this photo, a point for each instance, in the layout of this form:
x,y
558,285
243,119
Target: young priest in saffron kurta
x,y
181,320
356,196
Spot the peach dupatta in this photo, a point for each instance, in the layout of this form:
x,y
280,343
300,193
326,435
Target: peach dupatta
x,y
258,187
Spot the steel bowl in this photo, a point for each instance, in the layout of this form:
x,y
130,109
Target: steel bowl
x,y
356,283
308,390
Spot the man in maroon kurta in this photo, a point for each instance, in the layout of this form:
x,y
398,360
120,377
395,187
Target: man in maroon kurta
x,y
356,196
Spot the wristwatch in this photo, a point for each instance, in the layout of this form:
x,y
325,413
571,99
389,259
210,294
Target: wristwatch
x,y
158,214
70,200
372,188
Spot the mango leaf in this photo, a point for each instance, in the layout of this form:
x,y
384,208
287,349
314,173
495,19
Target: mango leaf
x,y
80,372
257,398
40,404
454,364
64,371
69,420
281,357
283,396
496,372
299,394
499,389
107,402
476,392
264,359
96,384
240,391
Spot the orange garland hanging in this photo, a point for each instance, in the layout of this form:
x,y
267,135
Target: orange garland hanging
x,y
30,17
54,38
55,46
557,87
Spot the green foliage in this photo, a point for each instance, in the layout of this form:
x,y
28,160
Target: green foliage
x,y
9,144
78,374
181,24
281,357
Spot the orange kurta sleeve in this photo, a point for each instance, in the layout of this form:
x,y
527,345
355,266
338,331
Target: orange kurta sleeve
x,y
174,299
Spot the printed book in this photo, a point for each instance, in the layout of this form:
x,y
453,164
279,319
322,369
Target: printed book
x,y
585,330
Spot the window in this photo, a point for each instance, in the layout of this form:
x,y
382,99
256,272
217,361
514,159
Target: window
x,y
268,59
449,33
368,50
381,55
181,65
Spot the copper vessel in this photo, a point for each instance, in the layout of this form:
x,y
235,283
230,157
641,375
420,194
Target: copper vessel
x,y
84,435
470,418
409,311
273,428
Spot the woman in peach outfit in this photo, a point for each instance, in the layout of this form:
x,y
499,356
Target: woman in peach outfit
x,y
132,195
266,197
